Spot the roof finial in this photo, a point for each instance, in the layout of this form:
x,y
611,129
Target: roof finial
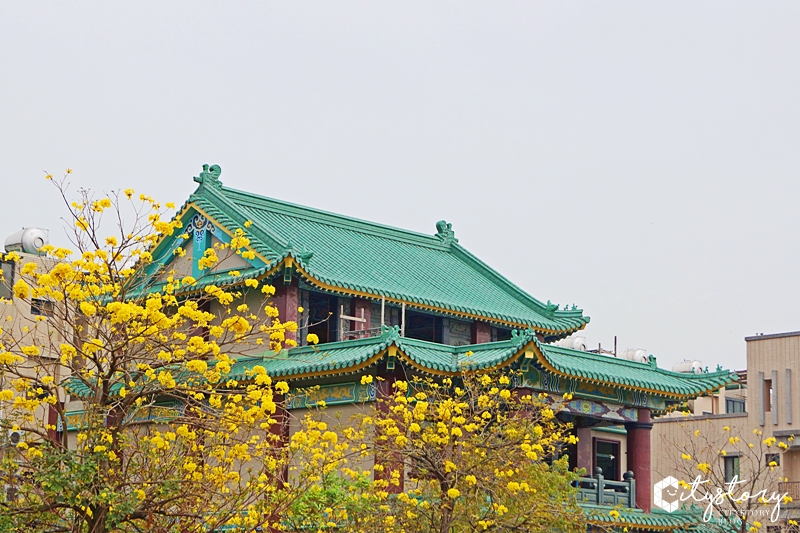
x,y
444,230
210,176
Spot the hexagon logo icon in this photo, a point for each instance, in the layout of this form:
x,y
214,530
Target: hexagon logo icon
x,y
665,494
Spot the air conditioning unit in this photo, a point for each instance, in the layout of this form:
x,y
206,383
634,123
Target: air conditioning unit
x,y
15,436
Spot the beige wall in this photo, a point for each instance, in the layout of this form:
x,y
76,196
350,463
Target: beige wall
x,y
770,359
772,405
46,333
672,437
336,416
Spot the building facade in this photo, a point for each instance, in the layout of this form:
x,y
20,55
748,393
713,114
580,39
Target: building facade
x,y
762,405
393,304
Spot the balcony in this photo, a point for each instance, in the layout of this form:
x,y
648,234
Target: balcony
x,y
597,490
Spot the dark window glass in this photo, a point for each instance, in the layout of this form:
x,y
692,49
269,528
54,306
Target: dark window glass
x,y
731,467
322,316
606,456
7,280
421,326
501,334
734,406
41,307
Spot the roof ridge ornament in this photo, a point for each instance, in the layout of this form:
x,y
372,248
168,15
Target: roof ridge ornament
x,y
445,233
302,253
390,333
523,333
210,176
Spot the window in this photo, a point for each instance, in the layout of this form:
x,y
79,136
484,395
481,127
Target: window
x,y
41,307
500,334
773,458
734,405
731,468
323,316
423,327
767,395
606,456
7,280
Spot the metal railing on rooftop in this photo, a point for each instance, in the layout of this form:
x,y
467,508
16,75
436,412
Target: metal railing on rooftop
x,y
361,333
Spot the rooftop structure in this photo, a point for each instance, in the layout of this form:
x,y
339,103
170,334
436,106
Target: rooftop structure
x,y
394,303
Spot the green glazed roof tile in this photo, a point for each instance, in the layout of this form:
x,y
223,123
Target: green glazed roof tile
x,y
686,519
354,255
352,356
220,279
630,374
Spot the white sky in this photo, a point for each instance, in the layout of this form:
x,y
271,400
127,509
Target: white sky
x,y
636,158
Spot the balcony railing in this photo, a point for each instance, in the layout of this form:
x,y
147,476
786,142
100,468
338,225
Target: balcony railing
x,y
361,333
599,491
791,488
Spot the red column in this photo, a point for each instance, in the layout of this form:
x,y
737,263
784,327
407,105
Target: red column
x,y
361,305
281,428
481,332
584,451
286,300
639,458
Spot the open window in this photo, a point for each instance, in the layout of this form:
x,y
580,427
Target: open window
x,y
323,316
423,327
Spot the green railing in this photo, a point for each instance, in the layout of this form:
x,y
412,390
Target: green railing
x,y
597,490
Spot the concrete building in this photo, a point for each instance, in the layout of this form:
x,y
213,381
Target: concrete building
x,y
763,404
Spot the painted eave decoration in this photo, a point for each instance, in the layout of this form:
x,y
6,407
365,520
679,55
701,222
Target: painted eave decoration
x,y
353,257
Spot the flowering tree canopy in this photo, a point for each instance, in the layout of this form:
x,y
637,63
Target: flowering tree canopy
x,y
164,440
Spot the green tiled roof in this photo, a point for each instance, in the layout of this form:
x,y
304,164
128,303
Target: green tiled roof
x,y
352,356
357,257
220,279
630,374
335,357
656,520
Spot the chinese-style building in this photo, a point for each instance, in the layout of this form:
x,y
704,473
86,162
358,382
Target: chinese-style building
x,y
394,303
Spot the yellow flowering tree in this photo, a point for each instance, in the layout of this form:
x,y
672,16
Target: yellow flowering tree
x,y
160,436
466,454
739,462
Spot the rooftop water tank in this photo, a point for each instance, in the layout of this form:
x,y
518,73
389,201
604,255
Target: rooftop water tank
x,y
27,240
573,343
688,367
635,354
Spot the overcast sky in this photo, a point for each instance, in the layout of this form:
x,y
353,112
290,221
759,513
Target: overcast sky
x,y
638,159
